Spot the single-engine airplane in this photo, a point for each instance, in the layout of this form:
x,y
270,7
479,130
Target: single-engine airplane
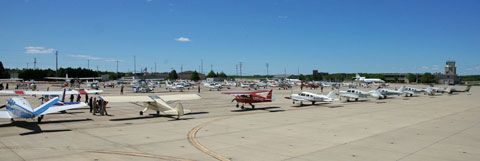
x,y
250,97
312,97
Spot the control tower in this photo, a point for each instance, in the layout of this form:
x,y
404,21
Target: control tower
x,y
450,69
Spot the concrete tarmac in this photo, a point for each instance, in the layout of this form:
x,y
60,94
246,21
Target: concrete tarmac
x,y
419,128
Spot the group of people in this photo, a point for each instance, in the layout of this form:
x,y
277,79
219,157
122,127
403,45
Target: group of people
x,y
98,106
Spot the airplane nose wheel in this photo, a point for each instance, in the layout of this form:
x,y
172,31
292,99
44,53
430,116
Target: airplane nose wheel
x,y
141,113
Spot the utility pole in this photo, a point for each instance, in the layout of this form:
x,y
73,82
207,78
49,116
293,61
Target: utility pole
x,y
97,68
236,69
117,66
155,67
267,69
298,71
35,63
285,72
201,66
88,63
56,62
134,65
181,68
240,69
27,65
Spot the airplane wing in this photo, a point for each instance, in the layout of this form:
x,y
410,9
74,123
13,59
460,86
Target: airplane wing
x,y
5,114
245,93
349,95
88,78
50,92
54,109
127,98
56,78
179,97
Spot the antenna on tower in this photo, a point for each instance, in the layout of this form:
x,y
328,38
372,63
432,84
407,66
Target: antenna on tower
x,y
35,63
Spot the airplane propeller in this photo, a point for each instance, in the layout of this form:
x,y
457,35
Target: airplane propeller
x,y
234,99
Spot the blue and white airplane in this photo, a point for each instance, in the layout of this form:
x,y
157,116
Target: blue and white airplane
x,y
19,107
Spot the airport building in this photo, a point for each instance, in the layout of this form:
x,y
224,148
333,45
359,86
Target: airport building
x,y
450,76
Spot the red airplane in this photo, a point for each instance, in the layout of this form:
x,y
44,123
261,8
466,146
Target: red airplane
x,y
250,97
311,85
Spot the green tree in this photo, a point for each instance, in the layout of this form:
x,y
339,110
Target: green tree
x,y
195,76
412,77
302,77
211,74
222,75
3,72
428,78
173,75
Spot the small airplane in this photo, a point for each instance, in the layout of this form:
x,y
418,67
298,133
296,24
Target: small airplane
x,y
386,92
312,97
353,93
18,107
368,80
452,90
310,85
250,97
174,86
409,91
52,94
157,103
211,86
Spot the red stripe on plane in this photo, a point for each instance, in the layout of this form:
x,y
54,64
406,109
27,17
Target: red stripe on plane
x,y
19,92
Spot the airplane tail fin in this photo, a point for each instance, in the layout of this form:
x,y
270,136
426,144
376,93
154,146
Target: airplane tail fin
x,y
270,95
357,75
42,108
179,109
331,94
468,88
401,88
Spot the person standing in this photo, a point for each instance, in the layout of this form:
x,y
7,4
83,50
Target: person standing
x,y
71,98
6,86
121,90
90,104
86,97
79,97
104,107
198,87
94,106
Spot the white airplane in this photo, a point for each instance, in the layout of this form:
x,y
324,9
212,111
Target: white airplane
x,y
356,94
409,91
92,85
157,103
386,92
211,86
174,86
67,79
312,97
368,80
75,92
18,107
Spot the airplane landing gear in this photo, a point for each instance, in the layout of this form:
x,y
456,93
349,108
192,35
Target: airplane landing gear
x,y
158,112
253,106
39,119
236,105
313,102
356,99
141,113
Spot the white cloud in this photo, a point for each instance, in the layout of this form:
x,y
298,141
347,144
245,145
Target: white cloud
x,y
92,57
282,17
425,68
38,50
183,39
435,67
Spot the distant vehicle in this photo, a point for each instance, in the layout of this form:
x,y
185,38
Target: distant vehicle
x,y
368,80
250,97
18,107
312,97
157,103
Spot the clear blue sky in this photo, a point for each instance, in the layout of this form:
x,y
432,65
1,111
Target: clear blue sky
x,y
330,36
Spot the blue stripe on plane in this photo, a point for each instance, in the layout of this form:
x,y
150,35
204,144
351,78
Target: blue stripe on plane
x,y
45,106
